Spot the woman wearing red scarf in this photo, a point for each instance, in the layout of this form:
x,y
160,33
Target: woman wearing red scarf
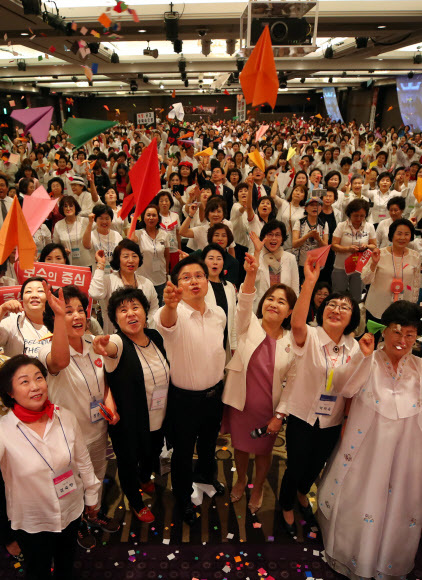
x,y
46,468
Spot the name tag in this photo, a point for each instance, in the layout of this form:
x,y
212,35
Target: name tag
x,y
94,409
107,269
156,265
158,400
64,483
326,404
76,253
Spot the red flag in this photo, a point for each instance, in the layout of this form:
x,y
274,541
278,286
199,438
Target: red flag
x,y
226,92
173,95
145,180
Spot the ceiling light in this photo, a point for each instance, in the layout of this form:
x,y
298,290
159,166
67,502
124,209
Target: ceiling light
x,y
177,45
302,80
330,79
382,26
21,65
182,65
24,34
151,51
114,59
186,83
161,86
417,59
240,63
171,20
410,75
329,52
142,30
230,46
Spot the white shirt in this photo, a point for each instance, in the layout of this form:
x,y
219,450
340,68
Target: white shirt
x,y
194,347
42,237
84,200
77,385
288,214
8,204
314,361
156,375
407,269
240,233
70,236
351,237
382,233
379,210
200,234
118,224
103,286
171,224
19,335
107,243
32,502
152,250
288,274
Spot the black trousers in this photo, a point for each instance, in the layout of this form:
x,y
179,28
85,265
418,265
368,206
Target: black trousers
x,y
308,448
133,468
195,418
40,549
7,535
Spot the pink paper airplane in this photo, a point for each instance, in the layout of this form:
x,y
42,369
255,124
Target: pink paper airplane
x,y
36,121
36,208
319,255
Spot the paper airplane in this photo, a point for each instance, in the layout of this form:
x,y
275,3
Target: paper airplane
x,y
177,112
83,130
36,208
257,159
417,192
374,327
261,132
319,255
206,152
15,232
36,121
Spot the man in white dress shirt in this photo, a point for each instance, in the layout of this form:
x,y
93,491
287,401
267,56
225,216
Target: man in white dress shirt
x,y
193,335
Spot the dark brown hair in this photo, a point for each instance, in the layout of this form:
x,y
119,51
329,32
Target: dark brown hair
x,y
291,300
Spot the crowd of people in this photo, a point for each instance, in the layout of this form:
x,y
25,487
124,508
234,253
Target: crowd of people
x,y
214,310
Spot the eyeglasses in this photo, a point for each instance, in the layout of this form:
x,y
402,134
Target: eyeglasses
x,y
187,278
407,337
342,307
276,236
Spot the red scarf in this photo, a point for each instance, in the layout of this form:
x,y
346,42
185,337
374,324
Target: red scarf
x,y
28,416
60,171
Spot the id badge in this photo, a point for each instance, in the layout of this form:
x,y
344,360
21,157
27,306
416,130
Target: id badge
x,y
326,404
158,400
121,196
107,269
94,409
76,253
64,483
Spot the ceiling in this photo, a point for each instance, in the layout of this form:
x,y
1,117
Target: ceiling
x,y
393,30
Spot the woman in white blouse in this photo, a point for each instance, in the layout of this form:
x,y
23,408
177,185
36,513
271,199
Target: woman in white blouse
x,y
125,262
381,195
395,207
70,230
371,524
315,415
221,292
119,225
275,265
155,249
393,272
103,237
47,471
255,377
290,210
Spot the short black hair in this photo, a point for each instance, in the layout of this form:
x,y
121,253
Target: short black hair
x,y
4,178
211,231
211,247
125,244
50,248
346,161
142,222
214,203
305,192
125,294
273,213
331,174
356,205
239,186
52,180
291,300
69,292
384,174
397,200
333,190
101,209
187,262
32,279
404,313
271,226
163,193
354,319
401,222
7,372
69,200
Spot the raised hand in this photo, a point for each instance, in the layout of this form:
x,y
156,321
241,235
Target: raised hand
x,y
258,244
57,304
251,263
172,295
99,344
11,306
367,344
311,270
376,255
100,258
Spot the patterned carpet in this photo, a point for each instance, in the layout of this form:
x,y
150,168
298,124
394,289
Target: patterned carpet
x,y
226,542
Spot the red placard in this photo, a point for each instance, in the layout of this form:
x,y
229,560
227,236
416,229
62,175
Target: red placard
x,y
10,293
356,261
59,275
364,259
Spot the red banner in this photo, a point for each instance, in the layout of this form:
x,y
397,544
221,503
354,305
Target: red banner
x,y
59,275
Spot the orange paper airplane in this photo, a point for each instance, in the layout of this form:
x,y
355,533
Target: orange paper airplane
x,y
15,232
259,78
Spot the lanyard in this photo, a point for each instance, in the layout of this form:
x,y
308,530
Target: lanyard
x,y
68,232
108,244
98,384
394,265
160,359
42,457
330,373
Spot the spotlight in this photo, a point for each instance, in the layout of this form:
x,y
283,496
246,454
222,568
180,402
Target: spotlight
x,y
186,83
21,65
230,46
344,74
133,86
329,52
282,79
171,21
202,31
161,86
302,80
410,75
114,59
151,52
417,59
74,79
235,75
182,65
240,63
330,79
178,45
90,84
145,79
361,42
94,47
55,21
140,76
206,46
183,76
32,7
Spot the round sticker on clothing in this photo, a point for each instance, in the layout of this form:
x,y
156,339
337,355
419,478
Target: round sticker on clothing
x,y
99,363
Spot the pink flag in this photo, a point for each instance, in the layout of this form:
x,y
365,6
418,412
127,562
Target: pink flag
x,y
319,255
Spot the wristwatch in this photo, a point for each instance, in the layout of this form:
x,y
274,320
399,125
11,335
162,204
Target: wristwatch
x,y
278,416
